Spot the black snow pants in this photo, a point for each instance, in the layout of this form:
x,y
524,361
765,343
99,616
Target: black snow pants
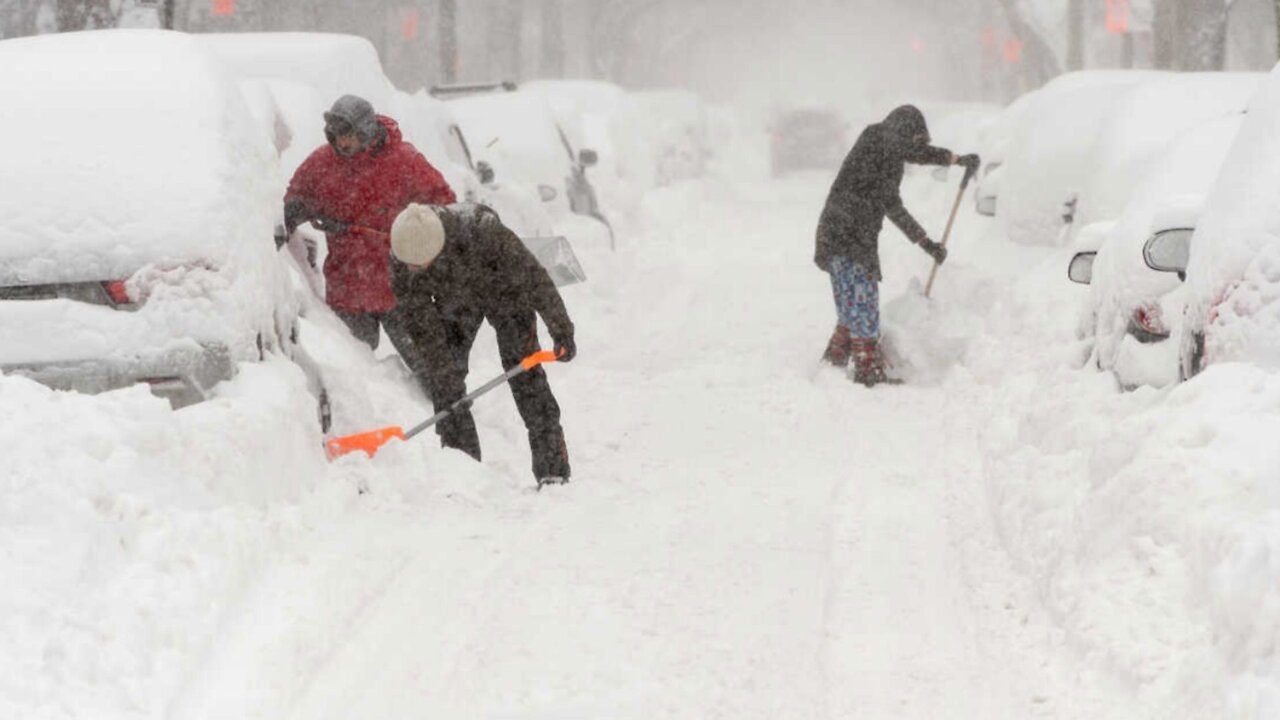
x,y
517,338
365,326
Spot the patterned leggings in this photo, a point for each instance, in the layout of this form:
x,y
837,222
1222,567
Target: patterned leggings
x,y
857,298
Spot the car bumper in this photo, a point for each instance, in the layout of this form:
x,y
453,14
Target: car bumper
x,y
183,376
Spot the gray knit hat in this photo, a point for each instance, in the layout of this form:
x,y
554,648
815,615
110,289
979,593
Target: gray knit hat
x,y
348,114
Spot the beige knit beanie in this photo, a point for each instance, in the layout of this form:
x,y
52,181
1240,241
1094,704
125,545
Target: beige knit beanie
x,y
417,235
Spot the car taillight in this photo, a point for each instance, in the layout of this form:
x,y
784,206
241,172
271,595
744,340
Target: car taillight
x,y
1147,324
117,292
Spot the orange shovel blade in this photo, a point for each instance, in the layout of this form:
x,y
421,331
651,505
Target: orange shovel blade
x,y
368,441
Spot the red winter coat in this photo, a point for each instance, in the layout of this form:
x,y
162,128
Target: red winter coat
x,y
369,190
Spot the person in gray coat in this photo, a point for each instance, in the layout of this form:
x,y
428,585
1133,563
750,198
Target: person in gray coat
x,y
864,193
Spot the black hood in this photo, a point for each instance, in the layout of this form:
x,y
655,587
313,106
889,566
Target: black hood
x,y
906,122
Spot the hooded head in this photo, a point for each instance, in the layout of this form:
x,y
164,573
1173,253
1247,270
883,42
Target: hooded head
x,y
417,235
351,115
907,123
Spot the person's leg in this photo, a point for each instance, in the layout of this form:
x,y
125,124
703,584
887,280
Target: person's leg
x,y
864,328
410,348
447,384
363,326
842,288
518,338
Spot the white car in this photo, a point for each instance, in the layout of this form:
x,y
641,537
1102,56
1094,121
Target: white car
x,y
137,220
1233,266
1135,310
1045,138
516,133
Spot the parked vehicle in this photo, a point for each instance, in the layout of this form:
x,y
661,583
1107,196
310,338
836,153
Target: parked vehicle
x,y
516,132
152,262
1043,141
1137,300
807,138
676,122
600,115
1232,282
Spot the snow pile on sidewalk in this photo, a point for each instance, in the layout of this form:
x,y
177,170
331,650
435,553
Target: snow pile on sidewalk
x,y
1148,521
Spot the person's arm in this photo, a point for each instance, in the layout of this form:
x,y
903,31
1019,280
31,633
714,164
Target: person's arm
x,y
529,279
930,155
300,199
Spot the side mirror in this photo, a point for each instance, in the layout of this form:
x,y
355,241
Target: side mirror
x,y
485,171
1081,268
588,158
941,173
547,193
1169,250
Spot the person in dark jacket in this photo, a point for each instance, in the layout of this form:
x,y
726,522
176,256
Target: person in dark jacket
x,y
352,189
458,266
864,193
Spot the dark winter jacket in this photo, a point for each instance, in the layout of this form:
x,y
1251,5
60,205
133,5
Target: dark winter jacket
x,y
483,268
866,190
368,189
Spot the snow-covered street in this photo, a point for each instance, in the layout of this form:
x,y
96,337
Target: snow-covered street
x,y
747,533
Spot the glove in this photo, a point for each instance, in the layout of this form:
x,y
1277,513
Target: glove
x,y
281,237
295,213
564,348
934,250
970,162
329,225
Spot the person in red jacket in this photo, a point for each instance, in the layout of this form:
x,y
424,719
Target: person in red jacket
x,y
352,189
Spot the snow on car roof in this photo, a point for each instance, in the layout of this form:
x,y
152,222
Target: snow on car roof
x,y
517,130
1047,158
1141,129
133,146
333,64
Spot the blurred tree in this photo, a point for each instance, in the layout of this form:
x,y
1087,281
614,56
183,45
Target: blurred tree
x,y
552,26
447,37
1191,34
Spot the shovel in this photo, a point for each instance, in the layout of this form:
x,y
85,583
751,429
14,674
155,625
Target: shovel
x,y
964,184
371,440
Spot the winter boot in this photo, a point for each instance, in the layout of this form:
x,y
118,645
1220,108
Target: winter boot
x,y
868,363
838,348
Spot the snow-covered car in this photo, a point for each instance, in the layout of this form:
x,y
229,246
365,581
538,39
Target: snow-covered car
x,y
1233,265
1134,313
676,122
516,132
1045,138
600,115
137,220
807,138
1146,121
